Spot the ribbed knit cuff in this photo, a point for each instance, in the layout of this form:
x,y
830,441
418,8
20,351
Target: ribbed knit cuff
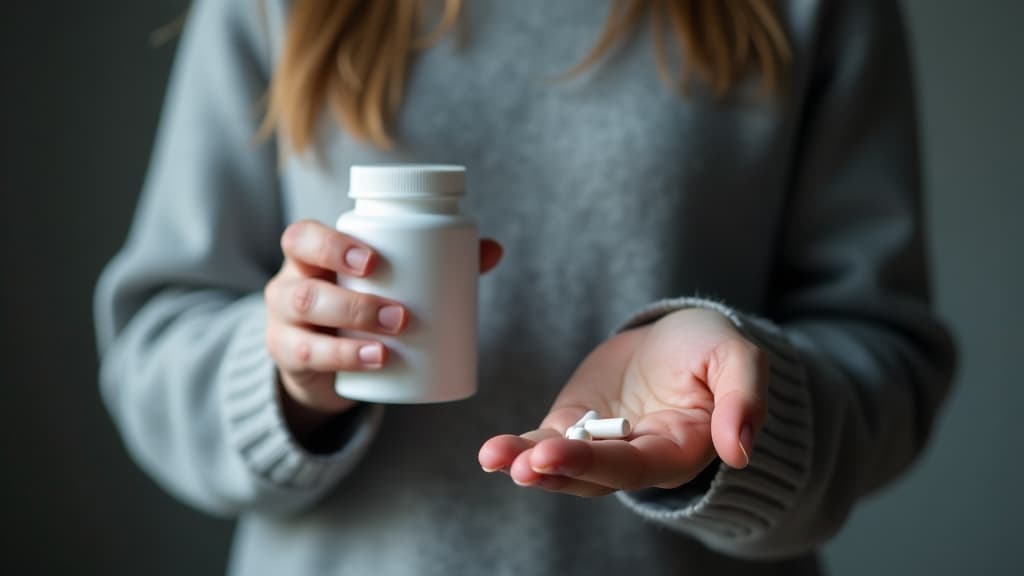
x,y
742,504
255,423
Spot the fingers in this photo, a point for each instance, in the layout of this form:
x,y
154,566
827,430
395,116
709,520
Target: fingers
x,y
499,452
322,303
303,296
590,469
490,254
298,350
650,460
667,450
571,486
544,459
314,248
738,377
506,453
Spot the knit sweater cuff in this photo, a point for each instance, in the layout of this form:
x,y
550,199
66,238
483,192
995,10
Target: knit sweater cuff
x,y
256,428
742,504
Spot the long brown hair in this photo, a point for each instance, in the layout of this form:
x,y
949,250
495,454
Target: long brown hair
x,y
353,55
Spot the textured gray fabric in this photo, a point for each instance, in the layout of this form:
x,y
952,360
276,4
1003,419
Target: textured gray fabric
x,y
617,201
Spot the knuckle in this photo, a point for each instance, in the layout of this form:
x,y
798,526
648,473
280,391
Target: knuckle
x,y
302,351
329,250
747,352
303,297
359,310
346,355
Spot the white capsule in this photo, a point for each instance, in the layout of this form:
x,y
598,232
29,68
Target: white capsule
x,y
608,427
590,415
578,433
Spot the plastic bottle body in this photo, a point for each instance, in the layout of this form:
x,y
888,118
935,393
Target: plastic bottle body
x,y
428,260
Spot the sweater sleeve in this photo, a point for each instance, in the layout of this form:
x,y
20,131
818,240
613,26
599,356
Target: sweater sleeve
x,y
859,364
180,312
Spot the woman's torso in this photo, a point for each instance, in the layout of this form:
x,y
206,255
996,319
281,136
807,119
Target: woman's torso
x,y
609,191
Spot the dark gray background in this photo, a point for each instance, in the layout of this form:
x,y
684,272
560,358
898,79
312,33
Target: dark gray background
x,y
81,93
960,511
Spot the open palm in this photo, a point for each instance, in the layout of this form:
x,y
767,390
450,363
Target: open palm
x,y
693,388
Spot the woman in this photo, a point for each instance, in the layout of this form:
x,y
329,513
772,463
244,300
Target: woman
x,y
753,243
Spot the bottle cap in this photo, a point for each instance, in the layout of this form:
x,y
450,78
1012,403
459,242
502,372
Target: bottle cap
x,y
406,180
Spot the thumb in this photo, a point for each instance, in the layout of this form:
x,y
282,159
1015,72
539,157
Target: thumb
x,y
738,378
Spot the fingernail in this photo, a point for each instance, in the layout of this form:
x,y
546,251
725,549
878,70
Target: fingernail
x,y
746,442
390,317
371,355
488,470
357,257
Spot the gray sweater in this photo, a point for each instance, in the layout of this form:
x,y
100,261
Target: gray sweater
x,y
617,200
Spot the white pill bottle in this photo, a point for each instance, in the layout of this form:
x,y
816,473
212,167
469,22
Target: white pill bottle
x,y
428,260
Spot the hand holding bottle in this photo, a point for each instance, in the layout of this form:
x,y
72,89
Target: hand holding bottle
x,y
306,307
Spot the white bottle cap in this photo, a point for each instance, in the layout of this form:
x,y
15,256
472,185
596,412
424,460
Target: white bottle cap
x,y
406,180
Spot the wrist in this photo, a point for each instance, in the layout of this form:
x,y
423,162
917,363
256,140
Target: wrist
x,y
316,430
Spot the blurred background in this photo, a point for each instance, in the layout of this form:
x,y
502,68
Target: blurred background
x,y
82,89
